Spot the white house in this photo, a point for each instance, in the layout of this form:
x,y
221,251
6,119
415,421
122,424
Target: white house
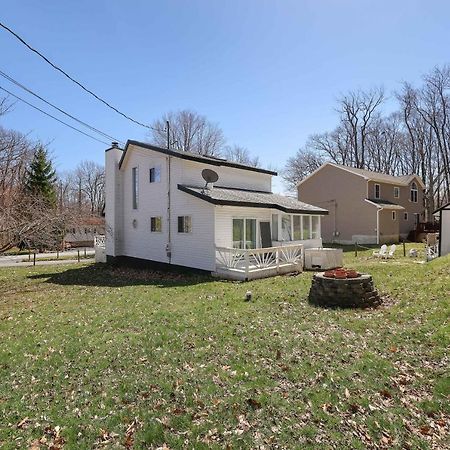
x,y
444,229
159,210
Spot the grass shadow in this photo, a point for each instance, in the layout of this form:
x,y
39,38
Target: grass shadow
x,y
105,275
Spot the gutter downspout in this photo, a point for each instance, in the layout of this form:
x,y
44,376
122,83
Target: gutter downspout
x,y
169,234
378,224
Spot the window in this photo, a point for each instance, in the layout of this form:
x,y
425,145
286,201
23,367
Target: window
x,y
377,191
414,192
306,227
135,187
286,229
405,216
394,215
156,224
184,224
315,227
274,227
244,233
155,174
297,228
396,192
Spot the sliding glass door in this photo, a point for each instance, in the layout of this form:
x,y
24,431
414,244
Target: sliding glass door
x,y
244,233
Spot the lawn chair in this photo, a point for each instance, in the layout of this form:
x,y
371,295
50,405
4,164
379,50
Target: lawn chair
x,y
390,255
382,252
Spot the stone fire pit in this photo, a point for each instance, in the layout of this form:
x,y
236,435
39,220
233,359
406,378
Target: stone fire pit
x,y
344,288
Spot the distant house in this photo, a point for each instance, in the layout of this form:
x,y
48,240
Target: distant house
x,y
81,233
160,210
444,229
364,206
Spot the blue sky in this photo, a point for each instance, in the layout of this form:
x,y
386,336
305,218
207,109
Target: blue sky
x,y
268,72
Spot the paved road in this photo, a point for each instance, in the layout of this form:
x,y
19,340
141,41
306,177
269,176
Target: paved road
x,y
22,260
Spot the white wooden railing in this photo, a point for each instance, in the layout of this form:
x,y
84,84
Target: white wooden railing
x,y
249,261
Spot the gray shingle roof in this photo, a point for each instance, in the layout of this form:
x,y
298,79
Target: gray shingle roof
x,y
194,157
256,199
384,203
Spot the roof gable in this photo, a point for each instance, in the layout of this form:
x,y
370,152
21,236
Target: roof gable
x,y
369,175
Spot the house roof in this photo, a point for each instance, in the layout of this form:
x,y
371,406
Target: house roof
x,y
369,175
194,157
256,199
386,204
443,207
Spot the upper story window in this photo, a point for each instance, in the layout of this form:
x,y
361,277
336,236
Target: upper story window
x,y
155,174
396,192
135,186
414,192
184,224
377,191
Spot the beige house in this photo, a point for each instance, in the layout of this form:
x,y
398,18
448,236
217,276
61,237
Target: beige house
x,y
364,206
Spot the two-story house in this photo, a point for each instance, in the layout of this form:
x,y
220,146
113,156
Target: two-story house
x,y
161,209
364,206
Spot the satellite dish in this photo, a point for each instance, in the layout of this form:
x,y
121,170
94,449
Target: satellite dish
x,y
210,176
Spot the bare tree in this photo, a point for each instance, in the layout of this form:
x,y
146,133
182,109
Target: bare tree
x,y
190,132
89,180
300,166
241,155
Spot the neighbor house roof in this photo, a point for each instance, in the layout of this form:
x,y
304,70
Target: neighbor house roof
x,y
369,175
383,204
256,199
193,157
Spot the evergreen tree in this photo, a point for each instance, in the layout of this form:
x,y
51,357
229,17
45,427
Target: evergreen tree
x,y
41,177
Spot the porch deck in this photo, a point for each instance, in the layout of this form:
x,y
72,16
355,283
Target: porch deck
x,y
250,264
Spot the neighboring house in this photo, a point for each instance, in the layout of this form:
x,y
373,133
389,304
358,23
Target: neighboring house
x,y
444,229
364,206
158,209
81,233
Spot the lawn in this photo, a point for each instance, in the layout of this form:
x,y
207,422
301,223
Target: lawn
x,y
96,357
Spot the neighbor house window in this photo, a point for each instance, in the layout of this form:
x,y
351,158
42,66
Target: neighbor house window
x,y
297,222
184,224
155,174
315,227
414,192
405,216
274,227
396,192
394,215
156,224
244,233
135,186
286,227
377,191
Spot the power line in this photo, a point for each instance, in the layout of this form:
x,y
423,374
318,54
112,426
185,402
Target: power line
x,y
73,79
53,117
96,130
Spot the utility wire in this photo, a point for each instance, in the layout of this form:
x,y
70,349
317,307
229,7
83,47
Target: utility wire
x,y
96,130
73,79
53,117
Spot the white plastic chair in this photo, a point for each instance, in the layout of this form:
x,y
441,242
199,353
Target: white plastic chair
x,y
382,252
391,252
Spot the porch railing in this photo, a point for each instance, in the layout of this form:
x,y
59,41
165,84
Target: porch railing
x,y
255,260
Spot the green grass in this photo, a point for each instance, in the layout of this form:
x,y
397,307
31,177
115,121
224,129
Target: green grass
x,y
95,357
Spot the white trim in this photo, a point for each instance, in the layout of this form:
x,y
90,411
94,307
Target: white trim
x,y
397,189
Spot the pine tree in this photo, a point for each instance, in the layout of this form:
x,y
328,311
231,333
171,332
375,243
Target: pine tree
x,y
41,177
